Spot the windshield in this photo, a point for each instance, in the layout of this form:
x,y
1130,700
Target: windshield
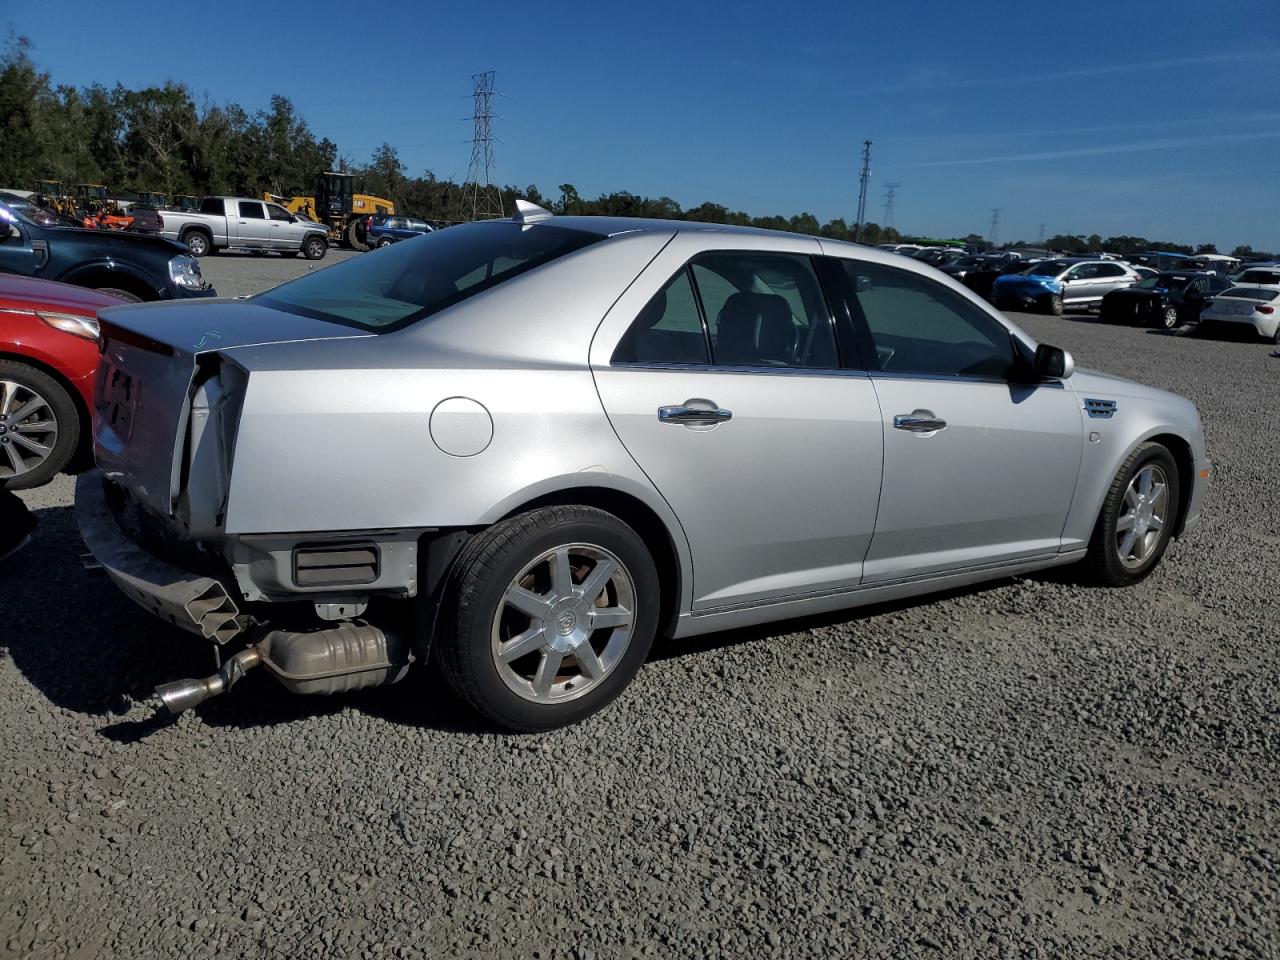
x,y
1251,293
38,216
1047,268
422,276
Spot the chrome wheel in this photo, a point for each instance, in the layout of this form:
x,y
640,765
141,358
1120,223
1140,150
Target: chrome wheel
x,y
28,429
1143,513
1170,318
564,623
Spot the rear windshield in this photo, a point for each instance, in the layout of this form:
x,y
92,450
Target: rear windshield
x,y
414,279
1251,293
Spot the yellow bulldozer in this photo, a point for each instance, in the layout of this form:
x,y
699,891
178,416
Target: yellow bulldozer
x,y
337,206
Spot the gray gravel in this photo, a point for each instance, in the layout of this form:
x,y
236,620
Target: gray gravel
x,y
1031,769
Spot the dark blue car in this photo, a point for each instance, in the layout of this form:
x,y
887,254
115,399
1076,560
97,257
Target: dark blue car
x,y
385,229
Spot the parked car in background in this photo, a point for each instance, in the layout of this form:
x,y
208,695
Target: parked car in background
x,y
940,257
1209,263
555,493
1157,259
246,223
1257,273
382,230
1254,306
982,276
1166,300
48,359
131,266
1144,272
1054,285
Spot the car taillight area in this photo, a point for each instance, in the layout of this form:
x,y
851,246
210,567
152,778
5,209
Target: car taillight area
x,y
217,395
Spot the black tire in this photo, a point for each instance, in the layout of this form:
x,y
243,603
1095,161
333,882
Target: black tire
x,y
1053,305
66,419
385,242
122,294
1168,319
1102,564
353,237
198,242
314,248
492,561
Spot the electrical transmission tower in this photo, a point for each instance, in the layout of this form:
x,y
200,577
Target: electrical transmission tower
x,y
995,225
890,191
862,188
480,197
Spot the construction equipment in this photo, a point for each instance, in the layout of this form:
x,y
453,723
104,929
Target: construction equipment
x,y
337,206
53,195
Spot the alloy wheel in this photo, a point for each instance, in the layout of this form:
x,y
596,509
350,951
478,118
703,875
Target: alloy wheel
x,y
28,429
564,623
1143,514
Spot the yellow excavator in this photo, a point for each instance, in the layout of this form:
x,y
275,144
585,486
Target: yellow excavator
x,y
337,206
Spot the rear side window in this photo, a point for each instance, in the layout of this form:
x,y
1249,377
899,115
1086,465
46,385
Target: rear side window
x,y
1252,293
742,309
251,211
409,281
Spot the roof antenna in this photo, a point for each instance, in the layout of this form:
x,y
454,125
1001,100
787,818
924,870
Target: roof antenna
x,y
528,212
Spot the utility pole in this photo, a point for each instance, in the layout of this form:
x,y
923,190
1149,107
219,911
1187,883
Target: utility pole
x,y
1042,234
995,225
862,189
890,191
480,197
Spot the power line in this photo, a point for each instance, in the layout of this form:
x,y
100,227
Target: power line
x,y
890,191
995,225
480,197
863,180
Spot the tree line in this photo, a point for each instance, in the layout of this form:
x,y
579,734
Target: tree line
x,y
158,139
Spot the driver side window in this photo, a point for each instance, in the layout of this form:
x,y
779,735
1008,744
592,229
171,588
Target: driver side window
x,y
919,326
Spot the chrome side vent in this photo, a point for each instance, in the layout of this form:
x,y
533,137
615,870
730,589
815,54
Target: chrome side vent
x,y
1100,409
335,564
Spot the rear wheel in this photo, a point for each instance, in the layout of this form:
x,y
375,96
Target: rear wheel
x,y
385,242
1169,318
1137,517
39,426
551,615
198,243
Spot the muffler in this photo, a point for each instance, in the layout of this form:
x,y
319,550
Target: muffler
x,y
348,656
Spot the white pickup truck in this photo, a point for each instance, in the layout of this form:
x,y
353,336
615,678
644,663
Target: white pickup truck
x,y
245,223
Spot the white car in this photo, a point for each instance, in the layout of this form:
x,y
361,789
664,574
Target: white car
x,y
1256,304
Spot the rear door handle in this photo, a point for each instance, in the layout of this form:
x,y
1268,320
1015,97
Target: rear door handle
x,y
695,413
919,421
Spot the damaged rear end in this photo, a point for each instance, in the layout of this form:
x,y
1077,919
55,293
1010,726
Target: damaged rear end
x,y
168,403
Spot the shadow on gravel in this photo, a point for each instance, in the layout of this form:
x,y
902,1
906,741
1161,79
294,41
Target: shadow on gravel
x,y
89,650
665,648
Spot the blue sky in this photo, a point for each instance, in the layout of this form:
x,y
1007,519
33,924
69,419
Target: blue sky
x,y
1161,121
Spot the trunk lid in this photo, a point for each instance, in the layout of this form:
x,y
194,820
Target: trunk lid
x,y
147,375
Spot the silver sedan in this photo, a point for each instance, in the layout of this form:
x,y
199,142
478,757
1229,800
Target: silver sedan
x,y
531,445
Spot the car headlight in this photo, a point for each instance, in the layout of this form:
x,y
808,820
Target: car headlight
x,y
185,272
71,323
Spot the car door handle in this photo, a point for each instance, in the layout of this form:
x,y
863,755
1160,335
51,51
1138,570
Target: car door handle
x,y
919,421
695,413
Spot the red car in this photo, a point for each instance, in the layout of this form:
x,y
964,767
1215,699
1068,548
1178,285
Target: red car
x,y
48,358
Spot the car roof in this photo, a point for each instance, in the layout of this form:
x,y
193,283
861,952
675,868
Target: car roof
x,y
615,226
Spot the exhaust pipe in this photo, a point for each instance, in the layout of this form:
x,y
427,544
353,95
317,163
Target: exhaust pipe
x,y
348,656
181,695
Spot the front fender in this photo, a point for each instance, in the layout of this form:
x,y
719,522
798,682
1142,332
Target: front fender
x,y
1104,456
114,268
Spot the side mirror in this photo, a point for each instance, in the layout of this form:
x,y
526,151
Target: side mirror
x,y
1052,363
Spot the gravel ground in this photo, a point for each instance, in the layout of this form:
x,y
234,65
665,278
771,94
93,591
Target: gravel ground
x,y
1031,769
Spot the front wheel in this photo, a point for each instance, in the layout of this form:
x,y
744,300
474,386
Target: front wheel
x,y
1054,305
1137,517
551,614
314,248
39,426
